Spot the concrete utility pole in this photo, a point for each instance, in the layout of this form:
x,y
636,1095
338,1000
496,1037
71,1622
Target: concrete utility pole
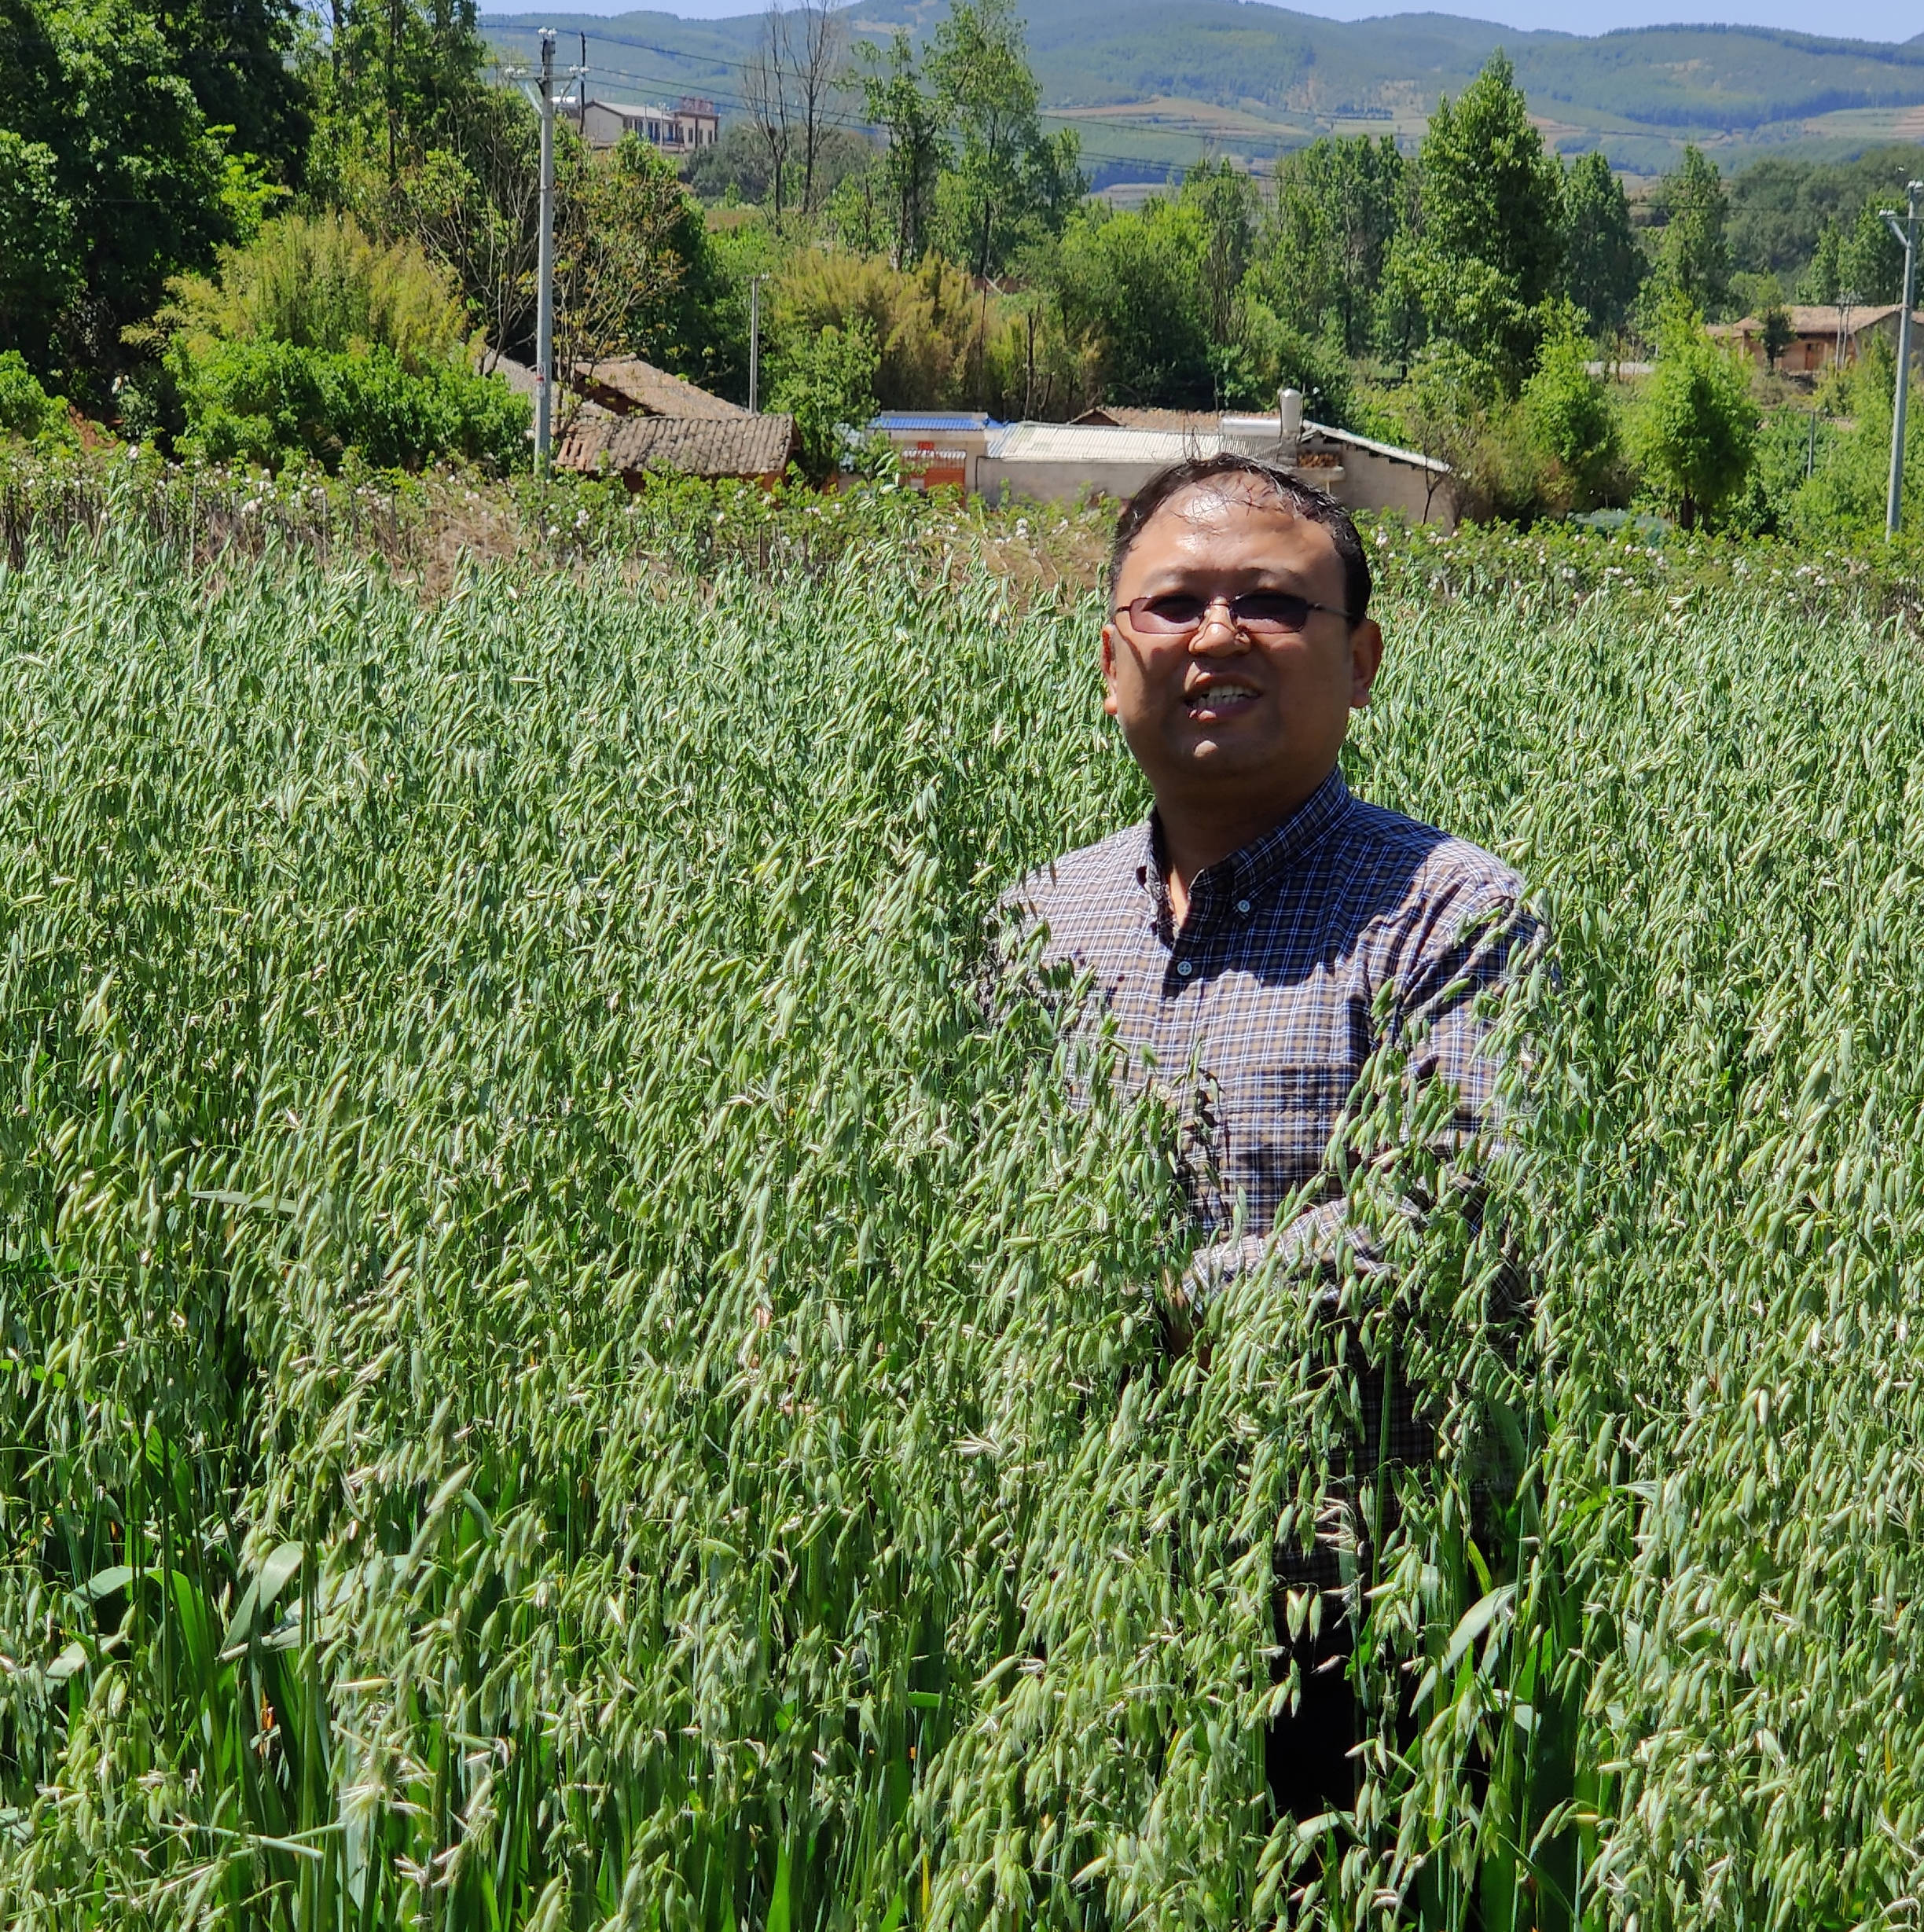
x,y
1906,231
754,343
543,98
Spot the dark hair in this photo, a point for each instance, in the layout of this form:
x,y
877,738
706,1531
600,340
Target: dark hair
x,y
1316,506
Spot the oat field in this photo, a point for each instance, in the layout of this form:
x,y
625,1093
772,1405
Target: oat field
x,y
558,1368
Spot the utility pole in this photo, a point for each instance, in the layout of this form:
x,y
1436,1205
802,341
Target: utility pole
x,y
1906,231
754,343
543,98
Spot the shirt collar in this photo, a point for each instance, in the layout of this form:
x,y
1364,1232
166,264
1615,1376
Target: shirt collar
x,y
1245,873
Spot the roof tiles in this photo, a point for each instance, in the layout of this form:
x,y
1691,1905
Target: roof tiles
x,y
740,445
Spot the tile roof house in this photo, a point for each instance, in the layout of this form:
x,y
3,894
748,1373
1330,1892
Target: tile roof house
x,y
630,387
752,447
1823,335
568,404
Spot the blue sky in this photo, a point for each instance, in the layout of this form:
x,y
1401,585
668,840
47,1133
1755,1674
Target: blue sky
x,y
1872,20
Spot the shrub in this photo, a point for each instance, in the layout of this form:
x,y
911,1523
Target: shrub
x,y
1567,416
924,321
267,401
322,282
27,410
827,382
1846,495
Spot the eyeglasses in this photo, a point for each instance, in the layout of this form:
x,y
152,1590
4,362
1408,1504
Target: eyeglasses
x,y
1255,613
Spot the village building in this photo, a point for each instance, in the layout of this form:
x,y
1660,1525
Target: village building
x,y
1112,451
679,130
625,385
625,417
937,448
1823,335
750,449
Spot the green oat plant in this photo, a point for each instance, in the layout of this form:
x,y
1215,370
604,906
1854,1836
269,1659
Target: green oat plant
x,y
569,1359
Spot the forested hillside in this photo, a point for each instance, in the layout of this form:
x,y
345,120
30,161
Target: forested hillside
x,y
1247,79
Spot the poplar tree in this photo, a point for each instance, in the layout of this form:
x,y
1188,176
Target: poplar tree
x,y
1491,248
1602,264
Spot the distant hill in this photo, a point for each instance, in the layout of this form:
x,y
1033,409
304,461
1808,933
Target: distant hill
x,y
1152,83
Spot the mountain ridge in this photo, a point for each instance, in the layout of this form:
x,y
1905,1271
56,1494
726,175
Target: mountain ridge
x,y
1150,83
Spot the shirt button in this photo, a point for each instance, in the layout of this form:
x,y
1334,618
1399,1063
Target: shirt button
x,y
1242,905
1185,967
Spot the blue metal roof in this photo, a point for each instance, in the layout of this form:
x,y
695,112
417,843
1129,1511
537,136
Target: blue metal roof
x,y
936,421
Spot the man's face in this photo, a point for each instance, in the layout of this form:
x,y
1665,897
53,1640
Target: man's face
x,y
1218,719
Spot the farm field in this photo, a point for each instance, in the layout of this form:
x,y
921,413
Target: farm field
x,y
557,1369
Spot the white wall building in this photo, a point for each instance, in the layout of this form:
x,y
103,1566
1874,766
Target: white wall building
x,y
692,122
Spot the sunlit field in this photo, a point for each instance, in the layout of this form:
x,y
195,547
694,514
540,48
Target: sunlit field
x,y
565,1360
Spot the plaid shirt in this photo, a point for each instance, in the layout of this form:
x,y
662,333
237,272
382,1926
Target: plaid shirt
x,y
1263,1004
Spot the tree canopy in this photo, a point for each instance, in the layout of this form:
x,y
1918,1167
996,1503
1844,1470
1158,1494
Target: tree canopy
x,y
1491,246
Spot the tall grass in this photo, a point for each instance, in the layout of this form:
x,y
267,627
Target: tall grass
x,y
558,1369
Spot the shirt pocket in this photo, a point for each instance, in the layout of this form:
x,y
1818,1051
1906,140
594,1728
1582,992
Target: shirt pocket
x,y
1276,1125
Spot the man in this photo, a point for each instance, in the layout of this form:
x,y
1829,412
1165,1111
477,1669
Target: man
x,y
1260,935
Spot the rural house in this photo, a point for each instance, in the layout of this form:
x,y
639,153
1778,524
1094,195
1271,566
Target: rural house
x,y
692,122
625,417
937,448
1822,335
625,385
753,449
1112,451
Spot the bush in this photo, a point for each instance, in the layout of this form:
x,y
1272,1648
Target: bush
x,y
827,383
322,283
925,322
267,402
1845,496
26,408
1567,416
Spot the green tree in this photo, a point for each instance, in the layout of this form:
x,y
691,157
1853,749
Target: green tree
x,y
1225,206
1822,279
1269,355
1870,258
1131,286
1697,431
397,80
894,98
1491,246
1340,205
1778,331
1568,414
111,180
1008,184
1602,264
826,381
40,273
238,57
1693,254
